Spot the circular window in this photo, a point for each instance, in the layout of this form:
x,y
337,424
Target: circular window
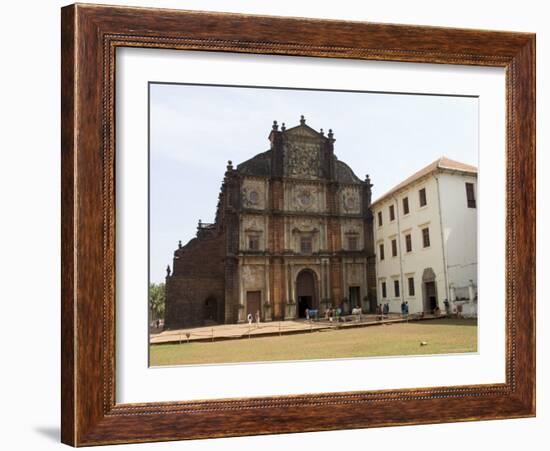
x,y
253,197
305,198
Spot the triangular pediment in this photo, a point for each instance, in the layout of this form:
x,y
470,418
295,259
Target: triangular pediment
x,y
302,131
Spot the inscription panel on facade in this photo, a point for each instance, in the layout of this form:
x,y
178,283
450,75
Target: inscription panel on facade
x,y
253,194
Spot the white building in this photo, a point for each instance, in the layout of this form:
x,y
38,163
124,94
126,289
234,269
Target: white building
x,y
425,234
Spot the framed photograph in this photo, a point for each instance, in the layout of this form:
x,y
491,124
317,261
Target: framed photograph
x,y
278,225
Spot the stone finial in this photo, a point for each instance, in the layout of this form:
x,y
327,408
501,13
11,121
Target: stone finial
x,y
367,178
179,244
229,165
322,132
168,271
302,120
283,127
275,126
330,134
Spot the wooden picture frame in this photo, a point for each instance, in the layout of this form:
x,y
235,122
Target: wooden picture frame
x,y
90,36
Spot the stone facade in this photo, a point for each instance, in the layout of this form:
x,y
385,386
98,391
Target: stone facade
x,y
293,231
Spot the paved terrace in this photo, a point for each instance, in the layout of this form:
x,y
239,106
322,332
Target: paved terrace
x,y
244,330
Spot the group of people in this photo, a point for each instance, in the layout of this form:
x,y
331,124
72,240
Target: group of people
x,y
250,318
384,309
332,313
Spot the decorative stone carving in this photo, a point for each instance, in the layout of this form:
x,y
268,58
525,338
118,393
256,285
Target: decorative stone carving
x,y
253,194
352,227
304,198
350,200
302,159
252,223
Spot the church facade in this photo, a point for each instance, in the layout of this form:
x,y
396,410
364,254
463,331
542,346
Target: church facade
x,y
293,231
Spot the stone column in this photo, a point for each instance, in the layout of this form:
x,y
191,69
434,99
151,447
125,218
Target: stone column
x,y
292,284
364,288
329,295
344,283
290,310
266,308
240,313
320,284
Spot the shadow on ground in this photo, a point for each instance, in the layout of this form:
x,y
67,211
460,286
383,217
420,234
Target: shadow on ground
x,y
50,432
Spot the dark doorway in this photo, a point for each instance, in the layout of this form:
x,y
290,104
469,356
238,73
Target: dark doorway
x,y
304,303
253,300
210,311
431,296
429,290
305,292
354,298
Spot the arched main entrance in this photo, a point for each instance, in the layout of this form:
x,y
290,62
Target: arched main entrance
x,y
306,293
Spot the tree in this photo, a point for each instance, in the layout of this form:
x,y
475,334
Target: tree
x,y
157,300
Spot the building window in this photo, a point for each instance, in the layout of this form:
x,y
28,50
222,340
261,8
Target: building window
x,y
470,196
392,213
426,237
405,205
379,219
254,242
352,243
396,288
381,252
394,248
422,197
411,286
408,242
384,292
306,245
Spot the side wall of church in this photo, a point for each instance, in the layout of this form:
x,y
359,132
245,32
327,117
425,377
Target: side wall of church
x,y
195,291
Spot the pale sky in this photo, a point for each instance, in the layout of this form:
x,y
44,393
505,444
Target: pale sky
x,y
194,130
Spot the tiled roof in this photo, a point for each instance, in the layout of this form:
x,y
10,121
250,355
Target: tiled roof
x,y
442,163
257,165
344,174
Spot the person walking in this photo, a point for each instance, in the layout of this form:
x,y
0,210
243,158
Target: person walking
x,y
249,318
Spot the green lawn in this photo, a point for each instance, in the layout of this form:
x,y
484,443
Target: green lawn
x,y
442,336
